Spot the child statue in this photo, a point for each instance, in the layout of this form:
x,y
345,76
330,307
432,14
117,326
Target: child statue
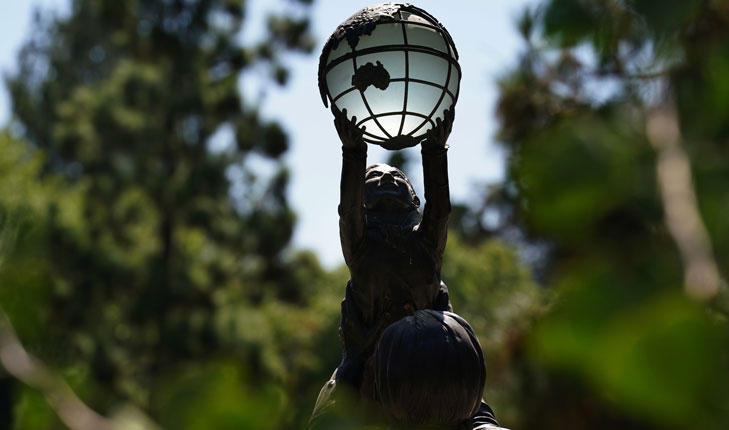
x,y
394,257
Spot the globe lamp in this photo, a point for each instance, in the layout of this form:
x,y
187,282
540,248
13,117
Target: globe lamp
x,y
395,68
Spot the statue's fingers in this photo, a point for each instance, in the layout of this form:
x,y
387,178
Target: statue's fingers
x,y
451,115
440,125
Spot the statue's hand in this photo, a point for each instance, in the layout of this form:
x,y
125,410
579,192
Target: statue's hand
x,y
350,135
436,138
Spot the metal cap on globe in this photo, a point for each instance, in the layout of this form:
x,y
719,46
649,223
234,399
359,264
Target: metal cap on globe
x,y
395,68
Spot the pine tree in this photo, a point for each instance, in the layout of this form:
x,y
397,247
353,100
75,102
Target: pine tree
x,y
129,100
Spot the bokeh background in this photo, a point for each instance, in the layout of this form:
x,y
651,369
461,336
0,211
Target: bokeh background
x,y
168,182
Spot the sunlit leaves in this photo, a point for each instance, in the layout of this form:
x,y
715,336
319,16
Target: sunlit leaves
x,y
23,198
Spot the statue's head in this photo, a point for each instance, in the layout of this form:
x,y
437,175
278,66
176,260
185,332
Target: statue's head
x,y
388,190
429,370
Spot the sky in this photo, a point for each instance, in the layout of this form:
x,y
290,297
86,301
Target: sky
x,y
487,41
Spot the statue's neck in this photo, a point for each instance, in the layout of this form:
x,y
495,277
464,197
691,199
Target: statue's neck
x,y
396,219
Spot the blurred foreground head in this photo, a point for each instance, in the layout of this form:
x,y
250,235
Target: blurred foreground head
x,y
429,370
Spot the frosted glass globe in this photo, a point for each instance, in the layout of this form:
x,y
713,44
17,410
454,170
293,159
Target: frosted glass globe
x,y
395,68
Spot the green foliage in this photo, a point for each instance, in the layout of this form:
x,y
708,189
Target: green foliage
x,y
622,346
268,361
570,22
489,286
127,265
223,393
664,18
660,361
32,411
124,252
22,262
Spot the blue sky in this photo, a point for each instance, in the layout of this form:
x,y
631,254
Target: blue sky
x,y
486,38
15,20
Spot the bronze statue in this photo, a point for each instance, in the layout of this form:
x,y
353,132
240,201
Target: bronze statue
x,y
394,257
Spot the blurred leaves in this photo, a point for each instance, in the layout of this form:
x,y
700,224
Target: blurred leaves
x,y
136,244
275,339
570,22
660,360
665,18
215,396
621,343
145,250
589,157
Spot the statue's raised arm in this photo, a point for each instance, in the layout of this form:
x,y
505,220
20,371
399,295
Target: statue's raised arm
x,y
351,189
434,148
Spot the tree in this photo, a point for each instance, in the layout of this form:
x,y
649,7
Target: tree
x,y
147,250
612,123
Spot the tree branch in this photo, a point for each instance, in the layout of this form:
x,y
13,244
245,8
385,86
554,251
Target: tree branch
x,y
673,171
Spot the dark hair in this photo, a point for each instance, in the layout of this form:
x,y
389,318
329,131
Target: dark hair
x,y
429,369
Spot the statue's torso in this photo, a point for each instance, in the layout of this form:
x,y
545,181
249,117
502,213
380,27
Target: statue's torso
x,y
394,274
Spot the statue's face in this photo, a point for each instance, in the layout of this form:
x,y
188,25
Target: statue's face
x,y
388,189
